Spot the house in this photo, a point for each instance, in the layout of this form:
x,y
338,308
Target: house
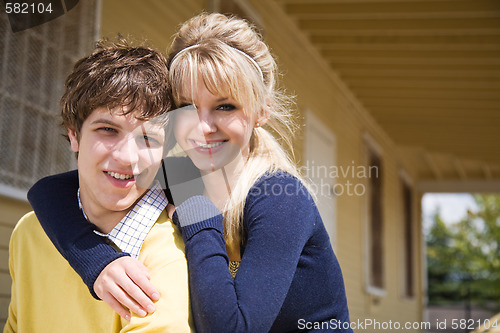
x,y
396,98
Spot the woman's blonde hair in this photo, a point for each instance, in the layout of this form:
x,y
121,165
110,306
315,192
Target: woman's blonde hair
x,y
230,58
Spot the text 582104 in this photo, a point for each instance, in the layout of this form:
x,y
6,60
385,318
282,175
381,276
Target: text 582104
x,y
28,8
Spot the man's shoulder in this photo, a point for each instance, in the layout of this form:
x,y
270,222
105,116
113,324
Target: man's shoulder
x,y
163,240
29,236
27,224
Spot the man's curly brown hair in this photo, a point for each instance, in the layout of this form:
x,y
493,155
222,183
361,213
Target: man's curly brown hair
x,y
116,74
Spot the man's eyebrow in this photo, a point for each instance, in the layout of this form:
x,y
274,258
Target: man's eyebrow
x,y
105,121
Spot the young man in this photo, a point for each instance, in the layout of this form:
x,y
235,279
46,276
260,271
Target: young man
x,y
112,110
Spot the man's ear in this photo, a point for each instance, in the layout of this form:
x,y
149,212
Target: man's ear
x,y
73,139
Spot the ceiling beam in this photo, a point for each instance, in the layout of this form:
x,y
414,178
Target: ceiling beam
x,y
432,165
435,102
470,54
448,113
386,32
431,49
460,169
486,170
406,93
417,82
442,72
433,39
401,24
458,186
392,7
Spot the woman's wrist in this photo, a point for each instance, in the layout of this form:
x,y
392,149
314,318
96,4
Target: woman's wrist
x,y
195,214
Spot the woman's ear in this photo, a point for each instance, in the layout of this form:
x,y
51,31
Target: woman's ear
x,y
73,139
265,113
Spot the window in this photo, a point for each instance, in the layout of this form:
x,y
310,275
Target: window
x,y
408,240
33,66
375,220
320,149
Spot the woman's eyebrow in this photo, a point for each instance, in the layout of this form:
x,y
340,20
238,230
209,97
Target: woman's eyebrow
x,y
152,128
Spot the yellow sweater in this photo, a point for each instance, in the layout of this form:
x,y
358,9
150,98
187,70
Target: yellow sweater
x,y
48,296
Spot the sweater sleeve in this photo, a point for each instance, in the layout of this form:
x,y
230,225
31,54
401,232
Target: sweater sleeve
x,y
55,203
276,236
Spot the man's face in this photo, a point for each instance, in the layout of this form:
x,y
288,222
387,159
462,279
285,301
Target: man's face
x,y
118,158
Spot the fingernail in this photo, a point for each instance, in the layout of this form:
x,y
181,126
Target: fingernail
x,y
127,317
155,296
141,313
150,309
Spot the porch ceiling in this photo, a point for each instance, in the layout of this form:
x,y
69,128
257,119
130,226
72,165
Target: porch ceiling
x,y
427,70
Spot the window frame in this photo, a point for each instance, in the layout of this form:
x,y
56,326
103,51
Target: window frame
x,y
372,148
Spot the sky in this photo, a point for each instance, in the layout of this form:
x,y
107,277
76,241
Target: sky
x,y
452,206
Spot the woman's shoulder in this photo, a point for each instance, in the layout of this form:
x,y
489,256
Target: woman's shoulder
x,y
283,198
278,184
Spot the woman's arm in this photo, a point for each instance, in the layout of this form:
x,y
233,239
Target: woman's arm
x,y
54,200
277,233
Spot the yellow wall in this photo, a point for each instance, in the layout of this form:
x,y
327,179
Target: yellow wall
x,y
11,211
151,20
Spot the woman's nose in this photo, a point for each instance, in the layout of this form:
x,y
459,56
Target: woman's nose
x,y
207,122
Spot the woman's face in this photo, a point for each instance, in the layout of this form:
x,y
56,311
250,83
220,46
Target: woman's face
x,y
214,131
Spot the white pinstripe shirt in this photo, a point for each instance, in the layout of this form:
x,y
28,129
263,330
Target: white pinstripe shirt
x,y
129,234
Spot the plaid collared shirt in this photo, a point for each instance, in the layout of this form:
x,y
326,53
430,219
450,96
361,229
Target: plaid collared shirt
x,y
129,234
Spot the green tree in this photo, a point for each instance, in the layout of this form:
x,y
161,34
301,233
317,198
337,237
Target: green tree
x,y
464,258
443,279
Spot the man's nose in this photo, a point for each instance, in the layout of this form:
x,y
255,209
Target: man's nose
x,y
127,151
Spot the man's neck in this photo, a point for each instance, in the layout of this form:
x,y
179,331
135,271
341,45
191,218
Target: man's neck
x,y
104,220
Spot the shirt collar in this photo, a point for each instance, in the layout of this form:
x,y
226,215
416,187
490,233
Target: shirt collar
x,y
129,234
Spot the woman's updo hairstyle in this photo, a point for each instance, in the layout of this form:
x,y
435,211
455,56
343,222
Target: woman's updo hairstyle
x,y
229,57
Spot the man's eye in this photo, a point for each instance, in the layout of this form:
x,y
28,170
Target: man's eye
x,y
107,129
226,107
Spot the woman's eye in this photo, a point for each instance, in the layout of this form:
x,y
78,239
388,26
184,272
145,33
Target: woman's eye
x,y
150,141
226,107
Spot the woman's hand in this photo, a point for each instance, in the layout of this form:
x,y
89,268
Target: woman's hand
x,y
125,284
170,210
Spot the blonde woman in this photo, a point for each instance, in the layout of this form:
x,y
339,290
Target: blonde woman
x,y
259,257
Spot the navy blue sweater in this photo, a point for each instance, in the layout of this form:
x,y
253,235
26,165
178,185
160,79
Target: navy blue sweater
x,y
288,280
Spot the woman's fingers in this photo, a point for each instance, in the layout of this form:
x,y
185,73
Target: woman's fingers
x,y
116,306
125,299
170,210
134,292
121,284
149,293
